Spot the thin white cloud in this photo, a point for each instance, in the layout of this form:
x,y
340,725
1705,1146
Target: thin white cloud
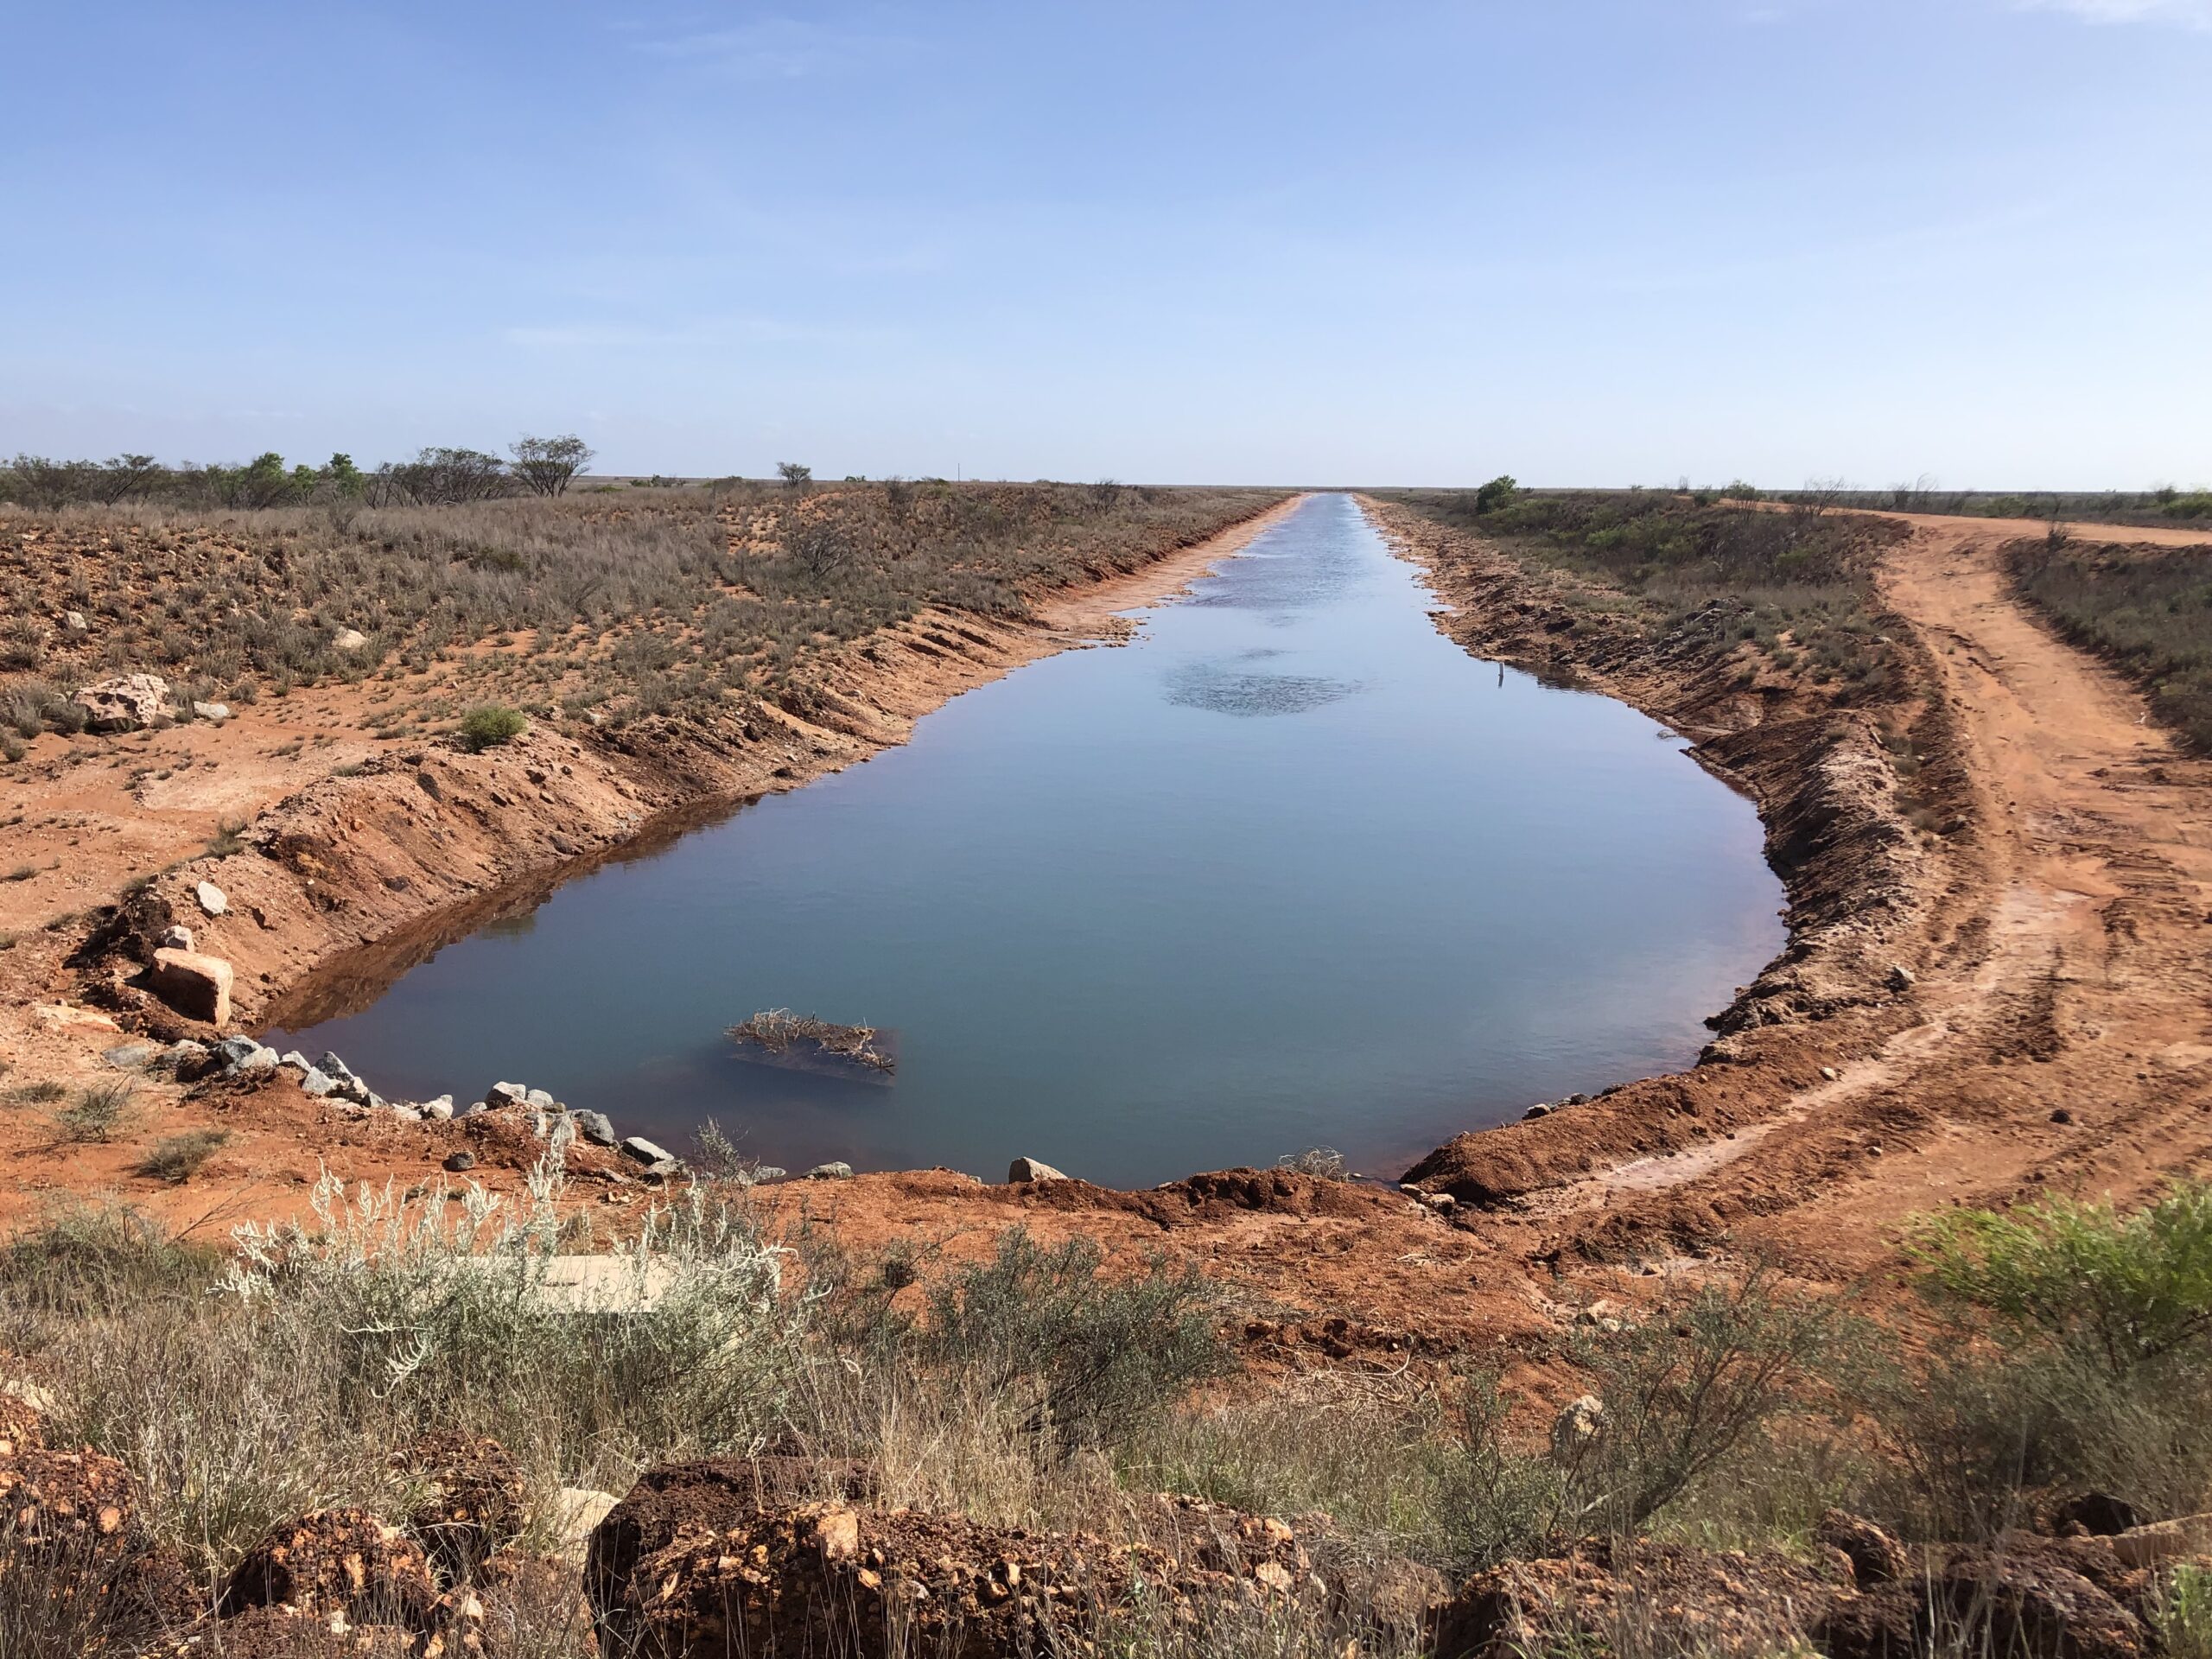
x,y
684,333
1760,12
776,49
2183,14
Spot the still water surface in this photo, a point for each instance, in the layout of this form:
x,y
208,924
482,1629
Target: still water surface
x,y
1292,870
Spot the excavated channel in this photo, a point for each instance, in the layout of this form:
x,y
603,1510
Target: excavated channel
x,y
1292,870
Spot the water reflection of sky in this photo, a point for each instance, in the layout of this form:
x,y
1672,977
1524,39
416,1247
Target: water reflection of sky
x,y
1290,869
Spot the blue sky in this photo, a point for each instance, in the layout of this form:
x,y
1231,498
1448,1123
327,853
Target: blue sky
x,y
1602,241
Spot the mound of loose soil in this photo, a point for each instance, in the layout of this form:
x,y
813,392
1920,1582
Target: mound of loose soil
x,y
2041,1598
1209,1199
713,1558
1861,1596
822,1577
1657,1598
337,1561
475,1503
84,1499
679,1497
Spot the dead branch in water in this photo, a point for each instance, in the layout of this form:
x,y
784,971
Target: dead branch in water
x,y
777,1030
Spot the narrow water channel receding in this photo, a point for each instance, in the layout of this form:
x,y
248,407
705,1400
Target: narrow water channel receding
x,y
1291,869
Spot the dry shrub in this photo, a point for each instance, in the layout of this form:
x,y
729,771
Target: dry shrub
x,y
97,1116
647,603
179,1157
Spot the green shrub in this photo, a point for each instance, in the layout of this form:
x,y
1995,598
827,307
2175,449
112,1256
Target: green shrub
x,y
490,724
2083,1346
1085,1358
1683,1395
1680,1387
2184,1614
2122,1290
1506,1501
1977,1434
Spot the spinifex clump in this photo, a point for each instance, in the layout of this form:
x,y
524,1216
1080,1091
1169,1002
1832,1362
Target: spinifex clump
x,y
783,1038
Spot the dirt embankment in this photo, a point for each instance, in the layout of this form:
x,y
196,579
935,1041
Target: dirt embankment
x,y
352,860
2040,877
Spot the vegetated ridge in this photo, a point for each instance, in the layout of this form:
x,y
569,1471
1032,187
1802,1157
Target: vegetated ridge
x,y
2147,609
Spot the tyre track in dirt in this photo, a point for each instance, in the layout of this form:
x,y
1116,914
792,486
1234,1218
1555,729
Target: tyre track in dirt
x,y
2075,981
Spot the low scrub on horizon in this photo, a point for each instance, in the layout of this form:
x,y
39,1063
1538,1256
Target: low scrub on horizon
x,y
437,476
2163,504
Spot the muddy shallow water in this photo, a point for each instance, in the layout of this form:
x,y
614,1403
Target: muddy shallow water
x,y
1291,869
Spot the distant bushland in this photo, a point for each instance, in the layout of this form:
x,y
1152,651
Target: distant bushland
x,y
2164,504
434,477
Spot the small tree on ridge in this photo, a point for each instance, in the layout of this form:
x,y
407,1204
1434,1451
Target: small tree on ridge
x,y
545,466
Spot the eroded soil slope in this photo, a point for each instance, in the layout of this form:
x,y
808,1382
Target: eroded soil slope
x,y
2045,896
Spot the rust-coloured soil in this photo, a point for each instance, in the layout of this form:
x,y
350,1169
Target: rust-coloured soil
x,y
2044,886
